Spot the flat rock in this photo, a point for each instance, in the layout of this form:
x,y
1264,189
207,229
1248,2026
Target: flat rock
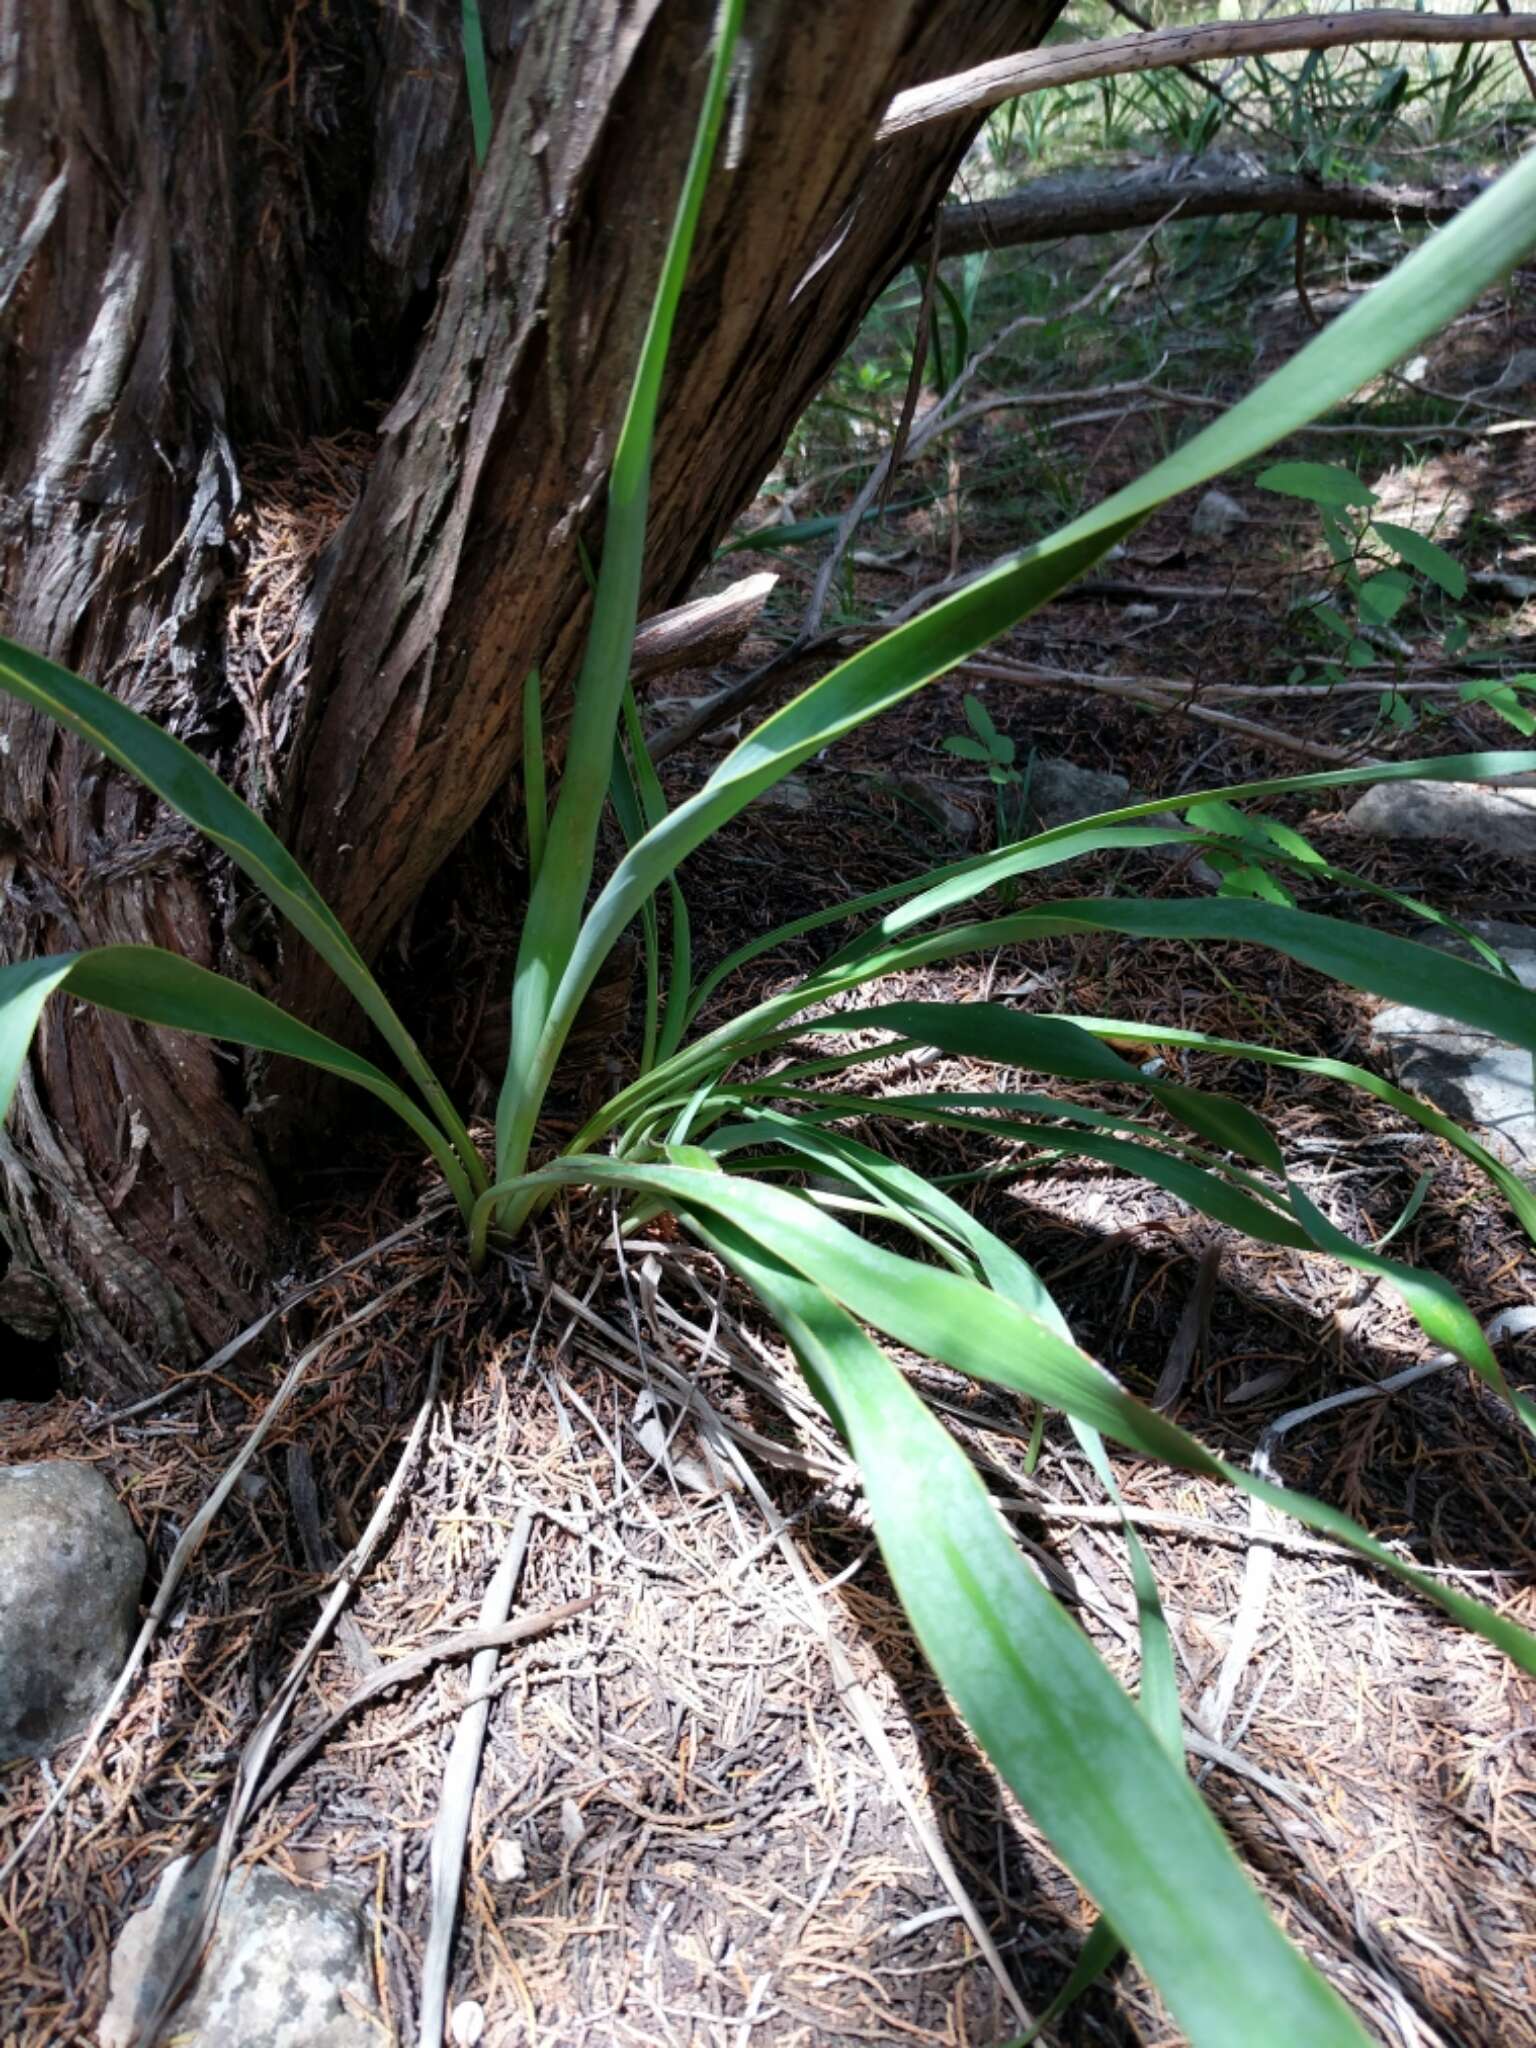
x,y
286,1968
1476,1078
1060,793
935,801
1216,515
71,1570
1495,816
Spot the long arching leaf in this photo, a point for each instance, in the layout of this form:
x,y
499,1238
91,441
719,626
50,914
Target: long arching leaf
x,y
189,786
157,987
1087,1766
1415,301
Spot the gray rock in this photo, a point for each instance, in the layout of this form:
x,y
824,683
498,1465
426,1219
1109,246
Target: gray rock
x,y
792,794
286,1968
1470,1075
1216,515
946,813
1519,373
1495,816
1060,793
71,1569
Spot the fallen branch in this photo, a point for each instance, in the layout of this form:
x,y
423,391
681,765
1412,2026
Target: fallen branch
x,y
701,632
1089,203
988,85
1151,695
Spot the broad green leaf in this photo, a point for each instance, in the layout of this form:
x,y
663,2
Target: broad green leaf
x,y
1320,483
191,788
1503,698
967,749
979,719
1424,555
1383,597
1416,300
1090,1771
1241,878
157,987
943,1315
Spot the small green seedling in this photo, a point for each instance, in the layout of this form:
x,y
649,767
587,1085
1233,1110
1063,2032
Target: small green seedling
x,y
994,751
1381,567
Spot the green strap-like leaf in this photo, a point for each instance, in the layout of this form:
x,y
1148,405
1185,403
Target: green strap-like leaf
x,y
1090,1771
1202,1186
559,896
1415,301
962,881
943,1315
907,1192
1514,1190
157,987
191,788
1401,970
475,78
987,1031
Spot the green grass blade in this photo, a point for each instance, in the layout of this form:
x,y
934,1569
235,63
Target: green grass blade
x,y
1416,300
964,880
475,78
626,804
943,1315
191,788
654,804
1203,1186
1090,1771
1515,1191
1011,1038
906,1192
157,987
1013,1277
1400,970
557,901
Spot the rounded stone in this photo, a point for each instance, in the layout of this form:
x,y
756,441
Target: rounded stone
x,y
71,1570
286,1967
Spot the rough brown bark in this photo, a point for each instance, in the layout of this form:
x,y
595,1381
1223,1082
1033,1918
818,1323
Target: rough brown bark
x,y
231,236
1091,203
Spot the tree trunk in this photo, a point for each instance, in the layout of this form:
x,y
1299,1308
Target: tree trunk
x,y
230,238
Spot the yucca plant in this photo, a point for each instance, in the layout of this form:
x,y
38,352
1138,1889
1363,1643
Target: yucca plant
x,y
744,1141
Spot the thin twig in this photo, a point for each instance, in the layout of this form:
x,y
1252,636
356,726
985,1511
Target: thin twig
x,y
451,1829
1165,49
181,1557
402,1670
1147,694
934,419
247,1791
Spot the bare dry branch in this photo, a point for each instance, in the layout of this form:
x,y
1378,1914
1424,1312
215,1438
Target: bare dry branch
x,y
705,630
1091,203
973,92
